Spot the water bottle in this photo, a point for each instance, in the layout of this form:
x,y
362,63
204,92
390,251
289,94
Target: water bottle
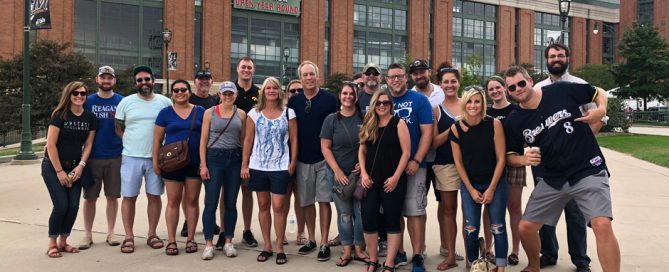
x,y
292,224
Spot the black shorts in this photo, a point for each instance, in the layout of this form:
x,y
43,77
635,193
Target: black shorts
x,y
269,181
190,171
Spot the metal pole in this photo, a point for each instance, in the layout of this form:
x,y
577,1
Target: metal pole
x,y
167,70
563,20
26,152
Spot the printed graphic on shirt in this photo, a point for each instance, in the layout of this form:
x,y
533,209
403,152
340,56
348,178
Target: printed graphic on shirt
x,y
403,110
551,121
76,125
270,146
104,111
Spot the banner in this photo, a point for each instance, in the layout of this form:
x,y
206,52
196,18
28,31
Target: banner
x,y
553,36
40,14
286,7
172,61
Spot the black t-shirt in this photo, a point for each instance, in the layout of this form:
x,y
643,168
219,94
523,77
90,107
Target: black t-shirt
x,y
310,122
569,150
208,102
477,148
246,99
73,133
501,114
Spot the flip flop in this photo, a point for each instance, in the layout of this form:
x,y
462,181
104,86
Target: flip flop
x,y
440,267
341,262
69,249
128,246
301,240
364,260
281,258
154,242
264,256
53,252
171,249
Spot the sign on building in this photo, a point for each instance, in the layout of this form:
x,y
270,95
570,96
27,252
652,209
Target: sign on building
x,y
287,7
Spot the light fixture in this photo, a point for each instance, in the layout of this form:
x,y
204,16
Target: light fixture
x,y
207,65
167,37
595,30
565,5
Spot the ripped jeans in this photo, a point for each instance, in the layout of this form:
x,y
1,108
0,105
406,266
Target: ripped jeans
x,y
349,218
497,212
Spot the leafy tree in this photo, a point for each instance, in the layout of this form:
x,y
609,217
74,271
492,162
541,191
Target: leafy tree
x,y
617,117
597,74
645,71
125,82
52,66
334,82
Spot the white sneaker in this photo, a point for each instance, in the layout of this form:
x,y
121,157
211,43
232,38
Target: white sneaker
x,y
230,250
208,253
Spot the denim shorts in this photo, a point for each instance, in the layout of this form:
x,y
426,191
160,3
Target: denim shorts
x,y
133,169
269,181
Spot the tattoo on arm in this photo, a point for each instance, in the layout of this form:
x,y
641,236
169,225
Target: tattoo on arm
x,y
119,127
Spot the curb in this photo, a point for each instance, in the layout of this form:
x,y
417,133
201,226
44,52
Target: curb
x,y
10,158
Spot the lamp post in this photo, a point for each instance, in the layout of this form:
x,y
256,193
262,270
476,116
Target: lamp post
x,y
167,37
565,5
286,55
26,152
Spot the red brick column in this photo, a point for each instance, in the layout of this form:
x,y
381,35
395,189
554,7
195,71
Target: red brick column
x,y
217,38
442,36
312,33
595,42
577,37
341,37
506,37
661,17
525,36
418,25
179,17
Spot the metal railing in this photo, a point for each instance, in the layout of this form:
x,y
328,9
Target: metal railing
x,y
13,137
651,116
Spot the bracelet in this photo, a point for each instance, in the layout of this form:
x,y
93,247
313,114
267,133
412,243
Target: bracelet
x,y
61,170
415,160
82,163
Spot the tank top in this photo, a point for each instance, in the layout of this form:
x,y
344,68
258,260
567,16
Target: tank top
x,y
230,137
444,152
477,147
389,153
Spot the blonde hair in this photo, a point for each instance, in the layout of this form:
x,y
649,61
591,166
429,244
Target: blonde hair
x,y
307,62
63,107
371,123
470,92
262,102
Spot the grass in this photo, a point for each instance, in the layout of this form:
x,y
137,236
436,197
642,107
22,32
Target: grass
x,y
15,150
649,148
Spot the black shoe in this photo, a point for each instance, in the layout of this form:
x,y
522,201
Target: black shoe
x,y
323,253
248,239
217,229
546,261
184,230
308,248
221,242
582,267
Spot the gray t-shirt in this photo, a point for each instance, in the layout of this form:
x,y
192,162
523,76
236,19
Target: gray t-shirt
x,y
343,132
230,137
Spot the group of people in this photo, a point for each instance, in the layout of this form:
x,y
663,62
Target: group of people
x,y
372,149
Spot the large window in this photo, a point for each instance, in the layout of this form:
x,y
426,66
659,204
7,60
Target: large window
x,y
474,36
546,29
608,43
197,55
645,10
380,32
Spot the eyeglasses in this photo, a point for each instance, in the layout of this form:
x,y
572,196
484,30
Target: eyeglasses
x,y
179,90
143,79
307,109
520,84
386,103
559,56
78,93
353,85
396,77
360,85
372,73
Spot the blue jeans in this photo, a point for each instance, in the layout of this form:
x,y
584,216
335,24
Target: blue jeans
x,y
576,236
65,202
497,213
349,218
224,167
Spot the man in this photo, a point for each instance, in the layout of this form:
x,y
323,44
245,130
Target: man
x,y
247,97
557,62
567,161
105,159
311,106
371,77
416,111
135,117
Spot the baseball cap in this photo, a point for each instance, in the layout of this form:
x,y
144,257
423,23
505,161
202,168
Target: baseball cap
x,y
371,66
418,64
227,86
106,70
203,73
142,68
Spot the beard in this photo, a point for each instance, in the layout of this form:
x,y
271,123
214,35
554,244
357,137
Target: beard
x,y
106,88
371,84
145,89
422,83
557,70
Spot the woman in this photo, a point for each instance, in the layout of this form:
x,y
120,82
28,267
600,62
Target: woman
x,y
269,162
479,154
220,164
446,176
339,144
68,144
515,176
181,121
383,155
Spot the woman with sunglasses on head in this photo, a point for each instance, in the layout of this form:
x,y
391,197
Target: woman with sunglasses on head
x,y
69,142
181,121
220,164
478,148
383,155
268,161
339,144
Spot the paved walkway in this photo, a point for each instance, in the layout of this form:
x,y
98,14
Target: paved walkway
x,y
640,192
651,130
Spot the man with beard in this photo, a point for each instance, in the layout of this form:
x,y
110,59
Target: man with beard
x,y
105,159
135,117
557,62
371,77
414,108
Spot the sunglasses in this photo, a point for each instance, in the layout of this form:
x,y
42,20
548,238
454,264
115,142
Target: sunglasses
x,y
520,84
448,70
386,103
78,93
307,109
372,73
143,79
296,90
180,90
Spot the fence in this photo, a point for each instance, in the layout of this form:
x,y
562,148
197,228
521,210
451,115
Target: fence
x,y
651,116
12,137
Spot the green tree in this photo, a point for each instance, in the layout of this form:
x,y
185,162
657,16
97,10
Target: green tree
x,y
334,82
644,72
52,66
597,74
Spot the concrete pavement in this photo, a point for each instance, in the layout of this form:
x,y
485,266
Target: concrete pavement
x,y
640,193
650,130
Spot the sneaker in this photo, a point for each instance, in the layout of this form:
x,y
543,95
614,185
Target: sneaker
x,y
546,261
221,242
459,257
323,253
582,267
184,229
230,250
424,253
208,253
401,259
418,263
248,239
383,249
217,229
307,248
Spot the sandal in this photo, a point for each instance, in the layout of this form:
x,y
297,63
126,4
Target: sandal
x,y
128,246
362,259
388,269
341,262
53,252
281,258
171,249
513,259
446,266
191,246
111,240
154,242
264,256
85,243
334,242
69,249
375,265
301,239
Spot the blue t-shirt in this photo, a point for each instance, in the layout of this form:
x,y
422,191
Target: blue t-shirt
x,y
415,110
176,129
309,123
107,144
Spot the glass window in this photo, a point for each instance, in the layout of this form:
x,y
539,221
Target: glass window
x,y
85,22
474,36
382,37
359,15
197,56
400,19
546,25
645,12
119,42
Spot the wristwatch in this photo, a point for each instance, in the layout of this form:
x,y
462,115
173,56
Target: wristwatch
x,y
415,160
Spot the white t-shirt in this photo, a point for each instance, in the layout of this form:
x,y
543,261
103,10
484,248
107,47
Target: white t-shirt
x,y
139,116
436,98
270,145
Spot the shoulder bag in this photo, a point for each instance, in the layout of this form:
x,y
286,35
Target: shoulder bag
x,y
174,156
360,191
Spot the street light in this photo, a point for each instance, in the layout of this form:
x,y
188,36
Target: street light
x,y
565,5
286,55
26,152
167,37
605,28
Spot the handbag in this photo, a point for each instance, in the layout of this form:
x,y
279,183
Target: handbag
x,y
345,192
174,156
482,264
360,191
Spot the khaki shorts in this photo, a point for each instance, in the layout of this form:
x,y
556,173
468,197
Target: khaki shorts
x,y
447,178
105,172
312,186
